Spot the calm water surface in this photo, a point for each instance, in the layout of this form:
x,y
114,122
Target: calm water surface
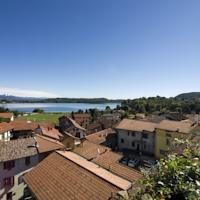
x,y
56,107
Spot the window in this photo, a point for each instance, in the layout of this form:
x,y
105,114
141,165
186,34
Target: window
x,y
8,181
144,146
9,165
167,142
9,196
122,140
20,179
133,134
128,133
163,152
144,135
168,135
133,144
27,161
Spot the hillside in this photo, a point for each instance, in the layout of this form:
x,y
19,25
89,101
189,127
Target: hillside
x,y
189,95
15,99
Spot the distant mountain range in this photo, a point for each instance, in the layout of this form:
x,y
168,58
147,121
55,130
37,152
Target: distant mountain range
x,y
15,99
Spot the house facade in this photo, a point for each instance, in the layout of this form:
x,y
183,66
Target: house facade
x,y
6,117
17,157
138,136
167,131
67,124
23,129
83,119
5,131
149,138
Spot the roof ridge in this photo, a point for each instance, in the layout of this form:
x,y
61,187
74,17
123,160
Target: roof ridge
x,y
97,170
48,139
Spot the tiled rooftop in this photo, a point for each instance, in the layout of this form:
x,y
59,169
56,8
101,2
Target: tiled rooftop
x,y
58,178
175,126
15,149
20,148
51,132
100,137
90,150
107,159
24,125
110,161
47,144
97,170
136,125
4,127
6,115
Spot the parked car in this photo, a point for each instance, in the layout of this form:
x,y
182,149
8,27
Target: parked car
x,y
149,163
134,163
124,160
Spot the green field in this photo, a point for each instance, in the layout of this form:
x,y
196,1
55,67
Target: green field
x,y
42,117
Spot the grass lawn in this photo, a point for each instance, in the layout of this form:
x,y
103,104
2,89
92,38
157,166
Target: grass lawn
x,y
42,117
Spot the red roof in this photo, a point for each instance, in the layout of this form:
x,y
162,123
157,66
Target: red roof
x,y
6,115
4,127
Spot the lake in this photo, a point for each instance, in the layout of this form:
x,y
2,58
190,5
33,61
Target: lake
x,y
56,107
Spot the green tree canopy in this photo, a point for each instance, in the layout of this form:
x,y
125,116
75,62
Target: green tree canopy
x,y
176,177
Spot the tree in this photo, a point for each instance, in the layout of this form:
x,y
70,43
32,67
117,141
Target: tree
x,y
38,110
176,177
94,114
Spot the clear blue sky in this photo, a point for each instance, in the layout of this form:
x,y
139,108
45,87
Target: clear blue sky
x,y
100,48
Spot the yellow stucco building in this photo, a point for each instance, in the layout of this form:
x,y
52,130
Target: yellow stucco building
x,y
165,133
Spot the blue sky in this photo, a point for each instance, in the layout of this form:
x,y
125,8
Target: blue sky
x,y
99,48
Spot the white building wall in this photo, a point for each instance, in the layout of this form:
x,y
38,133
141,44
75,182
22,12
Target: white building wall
x,y
19,169
140,143
5,136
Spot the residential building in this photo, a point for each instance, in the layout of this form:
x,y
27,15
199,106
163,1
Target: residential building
x,y
17,157
5,131
105,158
136,135
6,117
66,175
67,124
23,129
106,137
109,120
167,131
70,141
83,119
94,127
49,131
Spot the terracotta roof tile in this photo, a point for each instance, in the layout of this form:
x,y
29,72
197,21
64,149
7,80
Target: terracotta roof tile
x,y
15,149
6,115
110,161
24,125
51,132
90,150
107,159
100,137
80,117
73,122
47,144
4,127
97,170
136,125
57,178
20,148
176,126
